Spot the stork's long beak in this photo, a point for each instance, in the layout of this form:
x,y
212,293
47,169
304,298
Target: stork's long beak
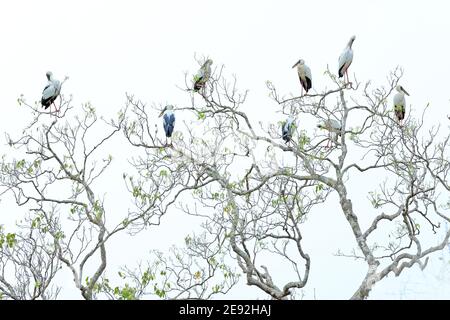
x,y
162,112
296,64
405,92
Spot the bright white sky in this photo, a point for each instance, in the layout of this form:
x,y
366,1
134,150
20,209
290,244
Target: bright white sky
x,y
111,47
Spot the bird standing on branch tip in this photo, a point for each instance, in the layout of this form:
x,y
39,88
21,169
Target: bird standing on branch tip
x,y
202,75
304,74
287,128
400,103
334,128
345,59
168,121
51,91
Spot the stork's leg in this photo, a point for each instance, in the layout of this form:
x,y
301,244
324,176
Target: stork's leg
x,y
302,91
56,109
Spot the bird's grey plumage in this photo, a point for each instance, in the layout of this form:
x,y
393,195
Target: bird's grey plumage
x,y
51,91
304,75
287,128
346,58
333,126
202,76
168,121
400,103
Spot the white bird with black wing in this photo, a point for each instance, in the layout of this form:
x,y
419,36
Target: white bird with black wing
x,y
304,74
51,91
400,103
345,59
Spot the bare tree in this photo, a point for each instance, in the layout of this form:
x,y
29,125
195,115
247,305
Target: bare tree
x,y
197,271
28,263
257,211
252,192
260,191
55,180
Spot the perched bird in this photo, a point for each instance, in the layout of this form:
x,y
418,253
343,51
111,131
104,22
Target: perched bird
x,y
51,91
202,75
287,128
334,128
168,121
400,103
345,59
304,74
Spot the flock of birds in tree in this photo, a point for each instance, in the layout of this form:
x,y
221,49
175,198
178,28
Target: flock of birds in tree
x,y
53,89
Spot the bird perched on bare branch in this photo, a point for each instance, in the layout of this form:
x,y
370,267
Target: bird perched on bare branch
x,y
168,121
287,128
400,103
304,74
51,91
333,127
345,59
202,76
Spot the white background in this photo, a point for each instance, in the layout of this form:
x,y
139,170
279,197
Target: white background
x,y
111,47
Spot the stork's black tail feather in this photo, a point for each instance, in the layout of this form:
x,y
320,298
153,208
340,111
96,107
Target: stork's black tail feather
x,y
308,84
197,87
341,74
46,102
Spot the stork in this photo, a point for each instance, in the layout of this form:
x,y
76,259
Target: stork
x,y
287,128
168,122
304,74
333,127
345,59
202,75
400,103
51,91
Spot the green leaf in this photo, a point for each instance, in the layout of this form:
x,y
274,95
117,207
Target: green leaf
x,y
128,293
201,116
35,223
11,239
20,164
136,192
59,235
163,173
319,187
